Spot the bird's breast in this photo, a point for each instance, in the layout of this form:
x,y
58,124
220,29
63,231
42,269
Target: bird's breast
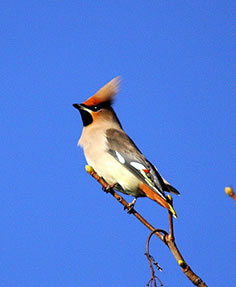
x,y
106,166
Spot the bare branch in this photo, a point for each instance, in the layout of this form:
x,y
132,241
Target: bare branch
x,y
167,238
152,260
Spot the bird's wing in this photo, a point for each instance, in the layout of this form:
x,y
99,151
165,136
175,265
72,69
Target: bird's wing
x,y
124,150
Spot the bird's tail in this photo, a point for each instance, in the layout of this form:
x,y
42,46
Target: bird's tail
x,y
166,203
169,187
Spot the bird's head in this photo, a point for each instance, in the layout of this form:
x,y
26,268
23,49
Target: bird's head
x,y
98,107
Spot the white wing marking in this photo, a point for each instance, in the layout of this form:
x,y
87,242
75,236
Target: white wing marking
x,y
137,165
120,157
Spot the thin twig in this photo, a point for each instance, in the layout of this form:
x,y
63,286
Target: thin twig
x,y
122,201
166,238
230,192
171,226
151,260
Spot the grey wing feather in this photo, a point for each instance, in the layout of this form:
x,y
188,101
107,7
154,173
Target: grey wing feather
x,y
121,147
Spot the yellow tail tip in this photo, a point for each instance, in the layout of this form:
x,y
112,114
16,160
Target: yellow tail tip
x,y
229,190
89,169
172,211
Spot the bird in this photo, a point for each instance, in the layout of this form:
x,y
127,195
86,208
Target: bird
x,y
113,154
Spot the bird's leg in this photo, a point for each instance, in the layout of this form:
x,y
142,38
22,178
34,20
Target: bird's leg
x,y
109,187
131,206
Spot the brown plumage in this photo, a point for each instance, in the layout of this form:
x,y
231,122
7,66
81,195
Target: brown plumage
x,y
113,155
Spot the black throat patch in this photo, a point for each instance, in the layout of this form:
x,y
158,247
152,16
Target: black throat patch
x,y
87,119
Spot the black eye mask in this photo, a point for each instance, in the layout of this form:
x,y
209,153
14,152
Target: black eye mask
x,y
96,108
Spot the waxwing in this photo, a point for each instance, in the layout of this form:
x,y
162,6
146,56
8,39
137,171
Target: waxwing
x,y
112,153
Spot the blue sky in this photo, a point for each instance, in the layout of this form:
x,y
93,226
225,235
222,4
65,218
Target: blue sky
x,y
177,102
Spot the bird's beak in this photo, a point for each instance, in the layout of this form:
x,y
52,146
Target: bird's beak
x,y
78,106
82,108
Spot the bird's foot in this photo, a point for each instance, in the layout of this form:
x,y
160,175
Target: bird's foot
x,y
130,207
108,187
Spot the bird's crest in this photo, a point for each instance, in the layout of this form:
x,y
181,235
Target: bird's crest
x,y
106,93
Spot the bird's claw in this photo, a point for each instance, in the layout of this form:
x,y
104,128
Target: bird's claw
x,y
108,187
130,207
